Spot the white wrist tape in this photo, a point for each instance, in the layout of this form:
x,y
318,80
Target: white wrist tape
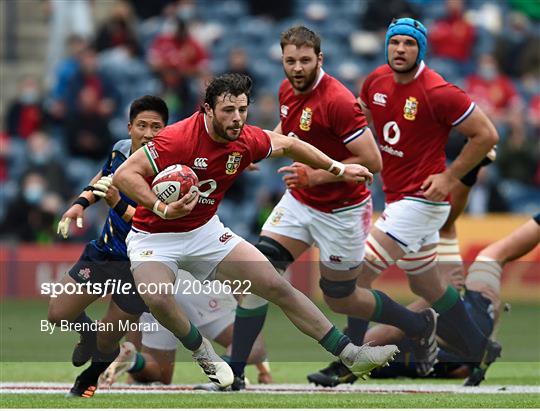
x,y
339,166
155,209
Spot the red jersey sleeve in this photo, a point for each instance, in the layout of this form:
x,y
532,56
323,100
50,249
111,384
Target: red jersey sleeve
x,y
346,118
260,146
164,150
451,105
364,92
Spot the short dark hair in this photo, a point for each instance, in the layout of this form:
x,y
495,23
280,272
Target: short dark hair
x,y
149,103
301,36
231,83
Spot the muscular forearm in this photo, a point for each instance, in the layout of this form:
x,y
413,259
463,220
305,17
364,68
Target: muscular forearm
x,y
307,154
324,177
135,187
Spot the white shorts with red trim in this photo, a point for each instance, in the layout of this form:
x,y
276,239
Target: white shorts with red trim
x,y
197,251
340,236
413,222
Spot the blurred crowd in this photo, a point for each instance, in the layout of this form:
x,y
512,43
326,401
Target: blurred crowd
x,y
60,128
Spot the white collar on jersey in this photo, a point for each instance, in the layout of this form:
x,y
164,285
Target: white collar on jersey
x,y
421,68
205,126
321,75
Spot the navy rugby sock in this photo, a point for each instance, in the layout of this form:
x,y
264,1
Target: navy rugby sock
x,y
84,319
247,326
356,330
456,327
387,311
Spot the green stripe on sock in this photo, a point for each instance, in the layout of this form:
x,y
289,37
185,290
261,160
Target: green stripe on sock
x,y
251,312
378,306
447,301
331,341
140,362
193,339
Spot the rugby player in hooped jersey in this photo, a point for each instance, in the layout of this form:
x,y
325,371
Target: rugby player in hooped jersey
x,y
187,233
413,109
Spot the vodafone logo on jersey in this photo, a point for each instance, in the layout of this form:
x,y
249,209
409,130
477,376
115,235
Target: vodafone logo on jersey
x,y
380,99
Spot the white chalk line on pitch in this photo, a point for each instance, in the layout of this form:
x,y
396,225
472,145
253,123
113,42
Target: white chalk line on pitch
x,y
62,388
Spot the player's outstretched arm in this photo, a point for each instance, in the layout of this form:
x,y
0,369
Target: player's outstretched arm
x,y
130,179
303,152
364,151
76,211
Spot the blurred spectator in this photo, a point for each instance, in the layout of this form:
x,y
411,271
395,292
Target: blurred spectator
x,y
485,196
264,113
87,129
379,14
452,37
517,154
177,58
42,158
530,8
4,155
517,47
73,17
533,113
118,29
64,73
492,90
238,62
275,9
30,216
369,40
145,9
86,74
125,67
25,114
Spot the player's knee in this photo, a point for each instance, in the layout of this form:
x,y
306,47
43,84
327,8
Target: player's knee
x,y
158,302
337,289
278,255
252,301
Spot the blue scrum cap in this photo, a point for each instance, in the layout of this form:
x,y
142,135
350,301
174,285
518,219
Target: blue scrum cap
x,y
408,27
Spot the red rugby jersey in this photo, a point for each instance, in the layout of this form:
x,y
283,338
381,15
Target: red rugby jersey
x,y
412,122
328,117
217,165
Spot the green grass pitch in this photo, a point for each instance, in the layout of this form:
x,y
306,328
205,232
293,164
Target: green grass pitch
x,y
28,355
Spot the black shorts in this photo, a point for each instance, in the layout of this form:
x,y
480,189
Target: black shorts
x,y
96,266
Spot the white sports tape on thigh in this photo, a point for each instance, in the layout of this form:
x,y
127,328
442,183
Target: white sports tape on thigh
x,y
448,250
252,301
419,262
486,270
376,258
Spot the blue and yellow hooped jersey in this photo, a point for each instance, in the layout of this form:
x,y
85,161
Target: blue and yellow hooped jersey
x,y
113,236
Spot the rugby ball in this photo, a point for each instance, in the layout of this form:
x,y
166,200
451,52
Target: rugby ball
x,y
174,182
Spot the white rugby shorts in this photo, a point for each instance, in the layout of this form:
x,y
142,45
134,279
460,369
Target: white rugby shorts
x,y
340,236
198,251
413,222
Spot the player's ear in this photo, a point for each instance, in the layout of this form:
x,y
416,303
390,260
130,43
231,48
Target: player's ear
x,y
129,128
320,57
207,109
